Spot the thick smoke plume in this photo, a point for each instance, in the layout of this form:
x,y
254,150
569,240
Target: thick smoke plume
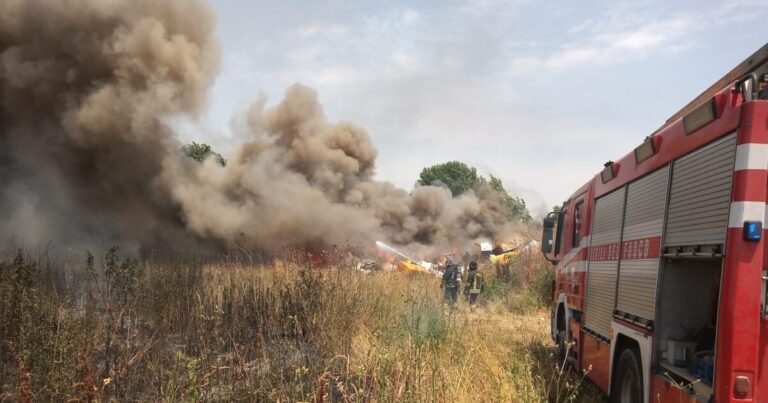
x,y
86,158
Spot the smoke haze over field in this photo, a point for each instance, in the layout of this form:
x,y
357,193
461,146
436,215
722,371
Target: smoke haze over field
x,y
86,158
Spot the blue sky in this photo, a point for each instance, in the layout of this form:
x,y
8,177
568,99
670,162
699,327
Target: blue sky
x,y
540,93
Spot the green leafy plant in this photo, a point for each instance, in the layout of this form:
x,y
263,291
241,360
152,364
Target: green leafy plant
x,y
460,178
201,151
457,176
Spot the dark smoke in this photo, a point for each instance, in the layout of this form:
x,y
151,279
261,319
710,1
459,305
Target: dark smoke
x,y
86,158
85,87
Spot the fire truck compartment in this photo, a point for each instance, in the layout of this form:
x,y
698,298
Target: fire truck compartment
x,y
700,195
687,319
603,262
641,234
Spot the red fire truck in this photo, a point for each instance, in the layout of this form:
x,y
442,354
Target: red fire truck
x,y
661,259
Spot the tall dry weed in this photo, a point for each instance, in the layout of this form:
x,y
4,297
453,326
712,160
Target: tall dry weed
x,y
108,328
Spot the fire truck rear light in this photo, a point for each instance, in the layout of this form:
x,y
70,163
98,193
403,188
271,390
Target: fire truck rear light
x,y
741,387
753,231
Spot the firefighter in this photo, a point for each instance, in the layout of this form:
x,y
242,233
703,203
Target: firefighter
x,y
475,285
450,284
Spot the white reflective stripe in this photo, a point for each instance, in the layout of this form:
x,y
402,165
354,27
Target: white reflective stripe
x,y
562,268
746,211
579,266
582,269
583,243
751,156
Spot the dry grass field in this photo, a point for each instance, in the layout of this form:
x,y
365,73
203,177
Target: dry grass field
x,y
114,329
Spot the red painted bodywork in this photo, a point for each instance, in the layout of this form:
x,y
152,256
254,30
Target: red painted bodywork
x,y
762,359
596,358
739,322
675,143
742,333
665,391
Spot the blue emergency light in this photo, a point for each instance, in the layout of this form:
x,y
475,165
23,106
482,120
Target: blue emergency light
x,y
753,230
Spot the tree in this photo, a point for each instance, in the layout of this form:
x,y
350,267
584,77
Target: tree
x,y
516,205
460,178
199,152
457,176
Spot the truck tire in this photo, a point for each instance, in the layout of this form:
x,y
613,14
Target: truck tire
x,y
627,385
562,347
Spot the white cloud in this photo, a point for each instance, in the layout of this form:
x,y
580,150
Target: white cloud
x,y
489,82
324,31
305,54
606,46
411,17
629,32
523,65
648,36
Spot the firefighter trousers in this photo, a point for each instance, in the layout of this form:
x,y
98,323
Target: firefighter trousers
x,y
450,294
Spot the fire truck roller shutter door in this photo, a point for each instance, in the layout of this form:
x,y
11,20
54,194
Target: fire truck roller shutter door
x,y
643,224
603,262
700,195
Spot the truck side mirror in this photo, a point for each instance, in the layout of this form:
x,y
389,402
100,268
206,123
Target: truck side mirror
x,y
548,233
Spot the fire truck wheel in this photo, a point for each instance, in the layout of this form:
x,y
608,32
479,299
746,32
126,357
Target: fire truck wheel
x,y
627,385
562,347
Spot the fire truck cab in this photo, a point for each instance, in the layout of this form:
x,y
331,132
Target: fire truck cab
x,y
660,289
